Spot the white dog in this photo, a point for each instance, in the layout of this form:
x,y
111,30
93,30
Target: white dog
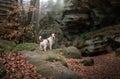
x,y
47,42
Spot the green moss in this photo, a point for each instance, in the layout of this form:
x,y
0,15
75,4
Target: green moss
x,y
26,46
57,58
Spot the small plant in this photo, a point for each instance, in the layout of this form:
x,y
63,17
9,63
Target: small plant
x,y
84,37
2,72
26,46
57,58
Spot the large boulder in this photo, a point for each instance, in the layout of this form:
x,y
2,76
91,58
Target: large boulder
x,y
57,71
49,64
71,52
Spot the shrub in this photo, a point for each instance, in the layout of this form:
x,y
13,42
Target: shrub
x,y
26,46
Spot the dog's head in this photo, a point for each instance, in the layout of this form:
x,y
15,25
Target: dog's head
x,y
53,35
40,39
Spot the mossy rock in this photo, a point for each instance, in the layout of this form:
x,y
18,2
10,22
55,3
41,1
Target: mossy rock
x,y
43,67
26,46
47,68
117,52
71,52
89,62
6,45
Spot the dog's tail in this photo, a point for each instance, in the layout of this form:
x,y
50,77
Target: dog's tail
x,y
40,37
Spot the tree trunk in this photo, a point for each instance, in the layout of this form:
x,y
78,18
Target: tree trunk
x,y
37,19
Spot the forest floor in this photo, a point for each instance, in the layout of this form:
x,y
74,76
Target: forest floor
x,y
106,66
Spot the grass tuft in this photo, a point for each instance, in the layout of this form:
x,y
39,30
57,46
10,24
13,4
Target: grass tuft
x,y
57,58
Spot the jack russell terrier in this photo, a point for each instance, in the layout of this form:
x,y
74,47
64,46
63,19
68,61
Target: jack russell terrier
x,y
47,42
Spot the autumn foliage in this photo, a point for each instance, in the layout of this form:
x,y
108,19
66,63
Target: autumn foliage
x,y
18,67
13,23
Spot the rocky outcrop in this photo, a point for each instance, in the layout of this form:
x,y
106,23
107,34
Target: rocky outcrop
x,y
80,16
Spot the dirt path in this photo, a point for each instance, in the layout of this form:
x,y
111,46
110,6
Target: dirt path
x,y
106,66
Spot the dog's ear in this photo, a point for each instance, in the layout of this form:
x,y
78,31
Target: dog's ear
x,y
55,33
50,33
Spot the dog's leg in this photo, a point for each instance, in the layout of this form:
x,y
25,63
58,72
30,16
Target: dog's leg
x,y
45,47
40,48
50,46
